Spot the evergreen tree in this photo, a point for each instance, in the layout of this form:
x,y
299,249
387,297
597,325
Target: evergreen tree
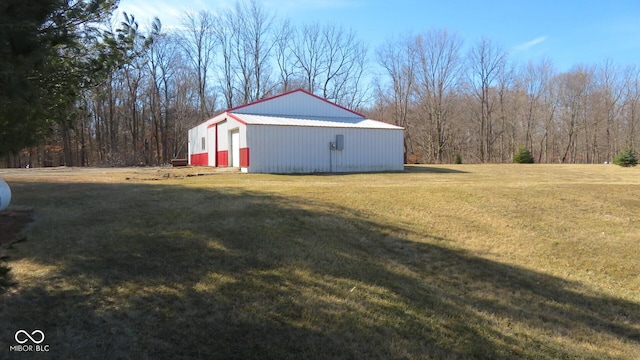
x,y
44,63
523,156
626,158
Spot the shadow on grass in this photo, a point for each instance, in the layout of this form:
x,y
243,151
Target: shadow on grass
x,y
408,168
169,272
431,170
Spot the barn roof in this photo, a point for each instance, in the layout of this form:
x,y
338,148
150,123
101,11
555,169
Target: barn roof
x,y
314,121
299,108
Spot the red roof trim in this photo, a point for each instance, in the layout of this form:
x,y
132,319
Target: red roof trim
x,y
294,91
215,123
236,118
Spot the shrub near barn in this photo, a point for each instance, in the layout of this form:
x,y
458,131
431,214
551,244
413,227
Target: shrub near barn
x,y
626,158
523,156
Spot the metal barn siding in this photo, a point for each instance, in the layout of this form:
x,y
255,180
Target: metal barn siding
x,y
198,151
300,149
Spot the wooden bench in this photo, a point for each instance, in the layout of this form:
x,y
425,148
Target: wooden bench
x,y
179,162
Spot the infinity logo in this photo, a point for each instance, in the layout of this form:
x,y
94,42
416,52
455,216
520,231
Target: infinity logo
x,y
29,336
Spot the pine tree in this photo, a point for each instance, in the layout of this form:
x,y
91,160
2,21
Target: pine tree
x,y
523,156
626,157
42,47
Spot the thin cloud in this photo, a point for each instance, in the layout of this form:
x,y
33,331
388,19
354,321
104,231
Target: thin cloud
x,y
529,44
293,6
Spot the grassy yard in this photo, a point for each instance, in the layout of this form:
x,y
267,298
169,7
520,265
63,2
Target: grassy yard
x,y
442,262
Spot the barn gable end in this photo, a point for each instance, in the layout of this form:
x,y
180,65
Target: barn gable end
x,y
296,103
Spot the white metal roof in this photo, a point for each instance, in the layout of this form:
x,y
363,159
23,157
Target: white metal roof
x,y
313,121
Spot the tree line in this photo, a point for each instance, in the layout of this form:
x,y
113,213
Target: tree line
x,y
82,85
480,106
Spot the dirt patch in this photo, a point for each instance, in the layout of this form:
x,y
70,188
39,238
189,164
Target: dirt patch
x,y
12,222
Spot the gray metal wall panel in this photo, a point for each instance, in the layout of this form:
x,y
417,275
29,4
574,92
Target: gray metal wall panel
x,y
290,149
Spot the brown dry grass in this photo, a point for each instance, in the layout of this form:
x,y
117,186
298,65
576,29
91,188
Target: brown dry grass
x,y
468,261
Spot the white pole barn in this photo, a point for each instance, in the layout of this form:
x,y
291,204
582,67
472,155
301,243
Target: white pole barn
x,y
296,132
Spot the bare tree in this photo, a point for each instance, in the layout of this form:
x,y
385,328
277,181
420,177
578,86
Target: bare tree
x,y
331,62
631,110
397,57
309,50
225,73
505,128
259,39
539,106
573,90
534,80
284,56
439,66
247,39
344,64
199,43
611,83
133,77
164,61
486,61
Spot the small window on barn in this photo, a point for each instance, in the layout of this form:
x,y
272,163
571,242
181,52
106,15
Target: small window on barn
x,y
204,144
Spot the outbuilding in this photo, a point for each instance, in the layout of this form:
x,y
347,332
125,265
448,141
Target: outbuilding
x,y
296,132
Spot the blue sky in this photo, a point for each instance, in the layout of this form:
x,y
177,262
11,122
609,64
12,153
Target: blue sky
x,y
569,33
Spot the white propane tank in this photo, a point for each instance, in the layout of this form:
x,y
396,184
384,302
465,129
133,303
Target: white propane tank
x,y
5,195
